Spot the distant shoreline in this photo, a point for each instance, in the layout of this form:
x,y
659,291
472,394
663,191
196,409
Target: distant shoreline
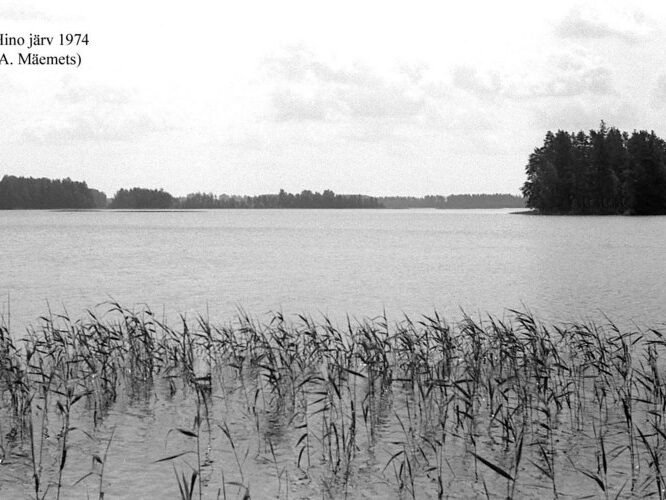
x,y
191,210
26,193
188,210
117,210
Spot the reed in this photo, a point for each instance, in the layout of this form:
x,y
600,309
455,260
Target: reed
x,y
501,394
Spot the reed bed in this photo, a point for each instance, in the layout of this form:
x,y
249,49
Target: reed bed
x,y
419,408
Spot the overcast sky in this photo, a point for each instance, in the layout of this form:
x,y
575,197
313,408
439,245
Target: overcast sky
x,y
383,97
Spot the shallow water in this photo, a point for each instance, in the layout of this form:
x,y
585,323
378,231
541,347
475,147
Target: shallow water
x,y
452,415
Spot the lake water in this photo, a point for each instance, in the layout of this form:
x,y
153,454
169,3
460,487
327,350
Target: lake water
x,y
334,262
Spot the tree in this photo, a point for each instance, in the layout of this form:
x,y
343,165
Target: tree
x,y
645,185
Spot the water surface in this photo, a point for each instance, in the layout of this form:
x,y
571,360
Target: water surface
x,y
334,262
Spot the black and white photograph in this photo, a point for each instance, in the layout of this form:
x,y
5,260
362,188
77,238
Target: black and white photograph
x,y
328,250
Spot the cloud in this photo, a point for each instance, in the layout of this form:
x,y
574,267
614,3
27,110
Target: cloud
x,y
298,64
394,102
91,128
92,94
18,12
559,75
659,93
580,114
309,90
606,24
403,107
470,79
92,113
298,107
570,76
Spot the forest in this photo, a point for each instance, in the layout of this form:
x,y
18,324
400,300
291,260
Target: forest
x,y
496,200
140,198
603,172
305,199
30,193
42,193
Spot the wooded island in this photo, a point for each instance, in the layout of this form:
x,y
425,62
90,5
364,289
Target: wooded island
x,y
604,172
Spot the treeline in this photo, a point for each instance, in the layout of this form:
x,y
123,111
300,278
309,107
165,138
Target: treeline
x,y
140,198
43,193
305,199
604,172
455,201
29,193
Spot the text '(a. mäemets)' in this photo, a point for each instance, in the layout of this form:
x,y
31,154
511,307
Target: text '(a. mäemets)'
x,y
34,59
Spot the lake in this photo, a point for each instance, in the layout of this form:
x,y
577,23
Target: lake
x,y
334,262
294,410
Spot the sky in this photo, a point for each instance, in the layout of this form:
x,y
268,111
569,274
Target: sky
x,y
374,97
